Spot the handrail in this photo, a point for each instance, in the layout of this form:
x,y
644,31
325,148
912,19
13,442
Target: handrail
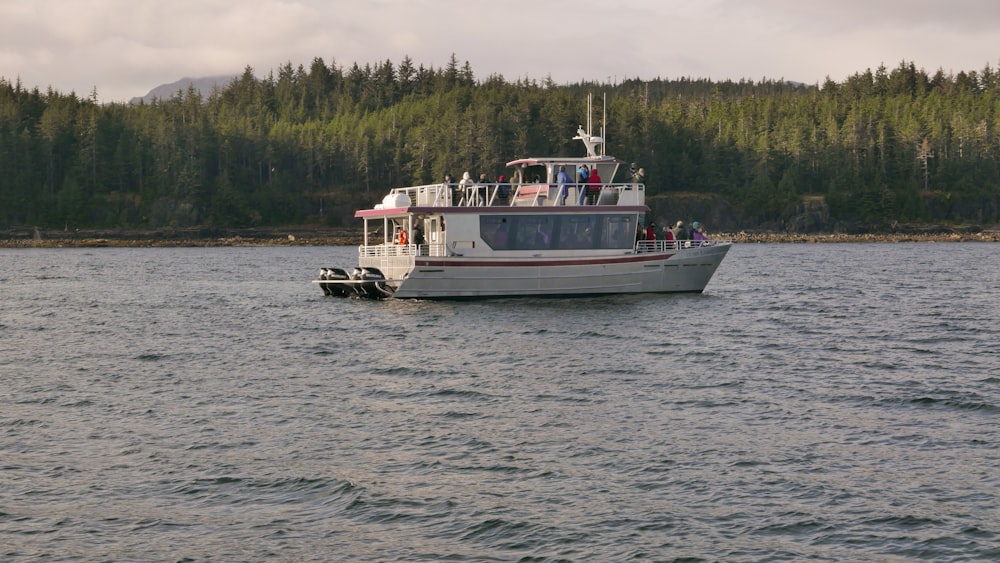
x,y
642,246
536,194
392,250
439,249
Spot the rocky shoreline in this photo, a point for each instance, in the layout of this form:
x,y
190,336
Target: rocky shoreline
x,y
195,237
319,236
947,236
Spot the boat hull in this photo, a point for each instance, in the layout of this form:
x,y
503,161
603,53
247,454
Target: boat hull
x,y
685,270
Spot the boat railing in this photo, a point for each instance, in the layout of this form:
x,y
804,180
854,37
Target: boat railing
x,y
395,261
398,250
541,194
522,195
642,246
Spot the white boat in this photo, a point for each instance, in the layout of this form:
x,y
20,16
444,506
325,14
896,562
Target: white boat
x,y
531,236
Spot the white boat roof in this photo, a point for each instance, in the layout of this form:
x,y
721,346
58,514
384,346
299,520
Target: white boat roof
x,y
588,160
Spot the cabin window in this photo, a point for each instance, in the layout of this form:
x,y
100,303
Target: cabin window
x,y
579,231
534,232
619,231
495,231
559,232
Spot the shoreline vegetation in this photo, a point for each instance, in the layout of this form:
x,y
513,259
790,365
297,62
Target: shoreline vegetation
x,y
308,145
327,236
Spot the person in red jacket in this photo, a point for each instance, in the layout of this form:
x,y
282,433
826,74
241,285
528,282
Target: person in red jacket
x,y
594,186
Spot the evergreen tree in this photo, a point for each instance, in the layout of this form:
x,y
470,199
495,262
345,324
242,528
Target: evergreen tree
x,y
881,146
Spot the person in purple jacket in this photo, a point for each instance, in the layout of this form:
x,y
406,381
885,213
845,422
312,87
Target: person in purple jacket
x,y
698,231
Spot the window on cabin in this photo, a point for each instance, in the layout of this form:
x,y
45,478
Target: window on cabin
x,y
579,231
534,232
495,231
618,231
560,232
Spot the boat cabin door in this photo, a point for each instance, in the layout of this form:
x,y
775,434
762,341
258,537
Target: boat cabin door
x,y
432,230
435,230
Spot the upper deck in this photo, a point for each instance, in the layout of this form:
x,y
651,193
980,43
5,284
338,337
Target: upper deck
x,y
534,182
508,195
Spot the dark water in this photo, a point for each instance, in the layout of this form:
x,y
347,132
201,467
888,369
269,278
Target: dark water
x,y
831,402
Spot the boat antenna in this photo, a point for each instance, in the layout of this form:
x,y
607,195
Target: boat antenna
x,y
590,140
604,122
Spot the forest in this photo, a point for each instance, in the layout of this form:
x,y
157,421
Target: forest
x,y
309,144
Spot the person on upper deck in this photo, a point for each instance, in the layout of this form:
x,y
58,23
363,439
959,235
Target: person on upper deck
x,y
594,186
563,180
581,178
463,187
448,186
638,175
651,231
503,190
482,189
594,177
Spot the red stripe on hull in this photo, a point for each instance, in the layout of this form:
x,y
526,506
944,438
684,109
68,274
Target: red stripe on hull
x,y
494,263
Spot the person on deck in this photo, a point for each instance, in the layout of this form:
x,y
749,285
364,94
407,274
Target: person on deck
x,y
638,176
482,189
449,187
698,231
679,232
594,183
563,180
581,179
503,190
651,231
464,186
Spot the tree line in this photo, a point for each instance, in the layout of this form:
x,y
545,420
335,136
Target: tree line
x,y
306,144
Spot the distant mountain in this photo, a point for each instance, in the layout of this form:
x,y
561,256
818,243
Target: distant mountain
x,y
203,85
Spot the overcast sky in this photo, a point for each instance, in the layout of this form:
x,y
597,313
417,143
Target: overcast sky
x,y
124,48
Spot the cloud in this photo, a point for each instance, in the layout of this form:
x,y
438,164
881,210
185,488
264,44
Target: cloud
x,y
126,47
853,16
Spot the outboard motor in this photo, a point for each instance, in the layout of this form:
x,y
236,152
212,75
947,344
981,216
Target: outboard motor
x,y
374,286
381,289
335,275
324,286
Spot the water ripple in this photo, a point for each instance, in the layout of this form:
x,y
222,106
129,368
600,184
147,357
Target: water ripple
x,y
817,402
